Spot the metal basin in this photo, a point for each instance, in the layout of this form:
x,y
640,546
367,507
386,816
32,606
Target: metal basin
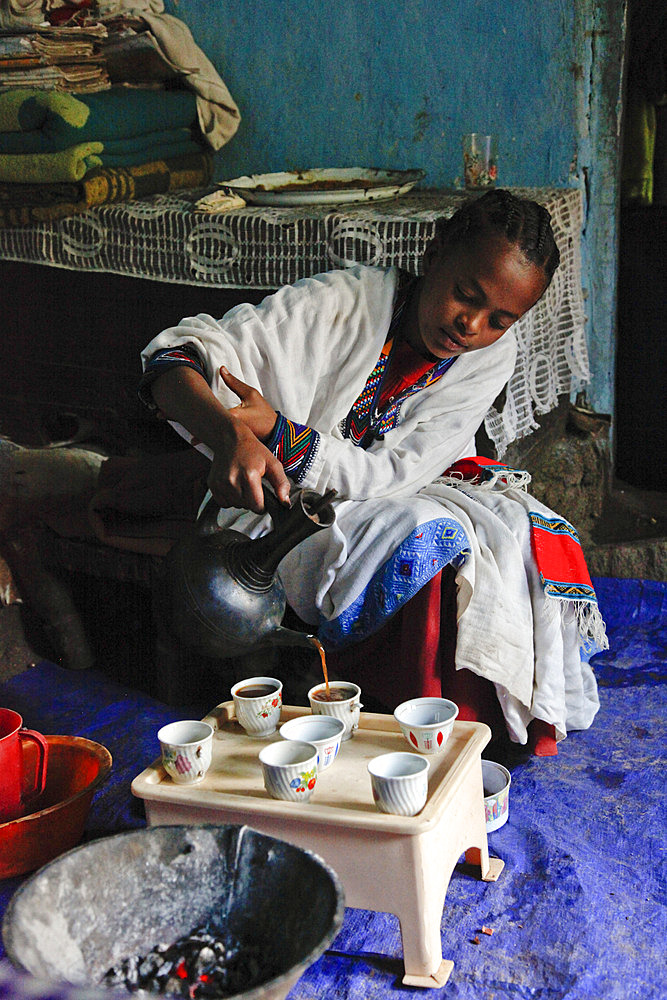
x,y
121,895
76,767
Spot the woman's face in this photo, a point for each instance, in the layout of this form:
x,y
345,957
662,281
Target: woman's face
x,y
470,294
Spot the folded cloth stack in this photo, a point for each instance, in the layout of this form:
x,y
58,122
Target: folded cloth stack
x,y
62,153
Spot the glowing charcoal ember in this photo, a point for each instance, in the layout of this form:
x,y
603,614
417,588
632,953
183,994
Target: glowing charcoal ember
x,y
204,964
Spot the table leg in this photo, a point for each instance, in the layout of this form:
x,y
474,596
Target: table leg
x,y
490,867
422,945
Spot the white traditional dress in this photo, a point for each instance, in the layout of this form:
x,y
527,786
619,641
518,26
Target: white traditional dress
x,y
312,349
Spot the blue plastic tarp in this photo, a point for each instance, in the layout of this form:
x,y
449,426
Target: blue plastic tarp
x,y
579,910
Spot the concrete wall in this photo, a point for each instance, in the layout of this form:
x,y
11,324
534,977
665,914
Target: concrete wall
x,y
395,83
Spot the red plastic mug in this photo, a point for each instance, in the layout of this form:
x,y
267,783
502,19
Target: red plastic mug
x,y
14,795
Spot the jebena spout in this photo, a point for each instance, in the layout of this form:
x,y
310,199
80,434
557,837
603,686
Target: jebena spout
x,y
289,637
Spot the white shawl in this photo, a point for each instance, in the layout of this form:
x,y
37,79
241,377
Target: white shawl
x,y
309,349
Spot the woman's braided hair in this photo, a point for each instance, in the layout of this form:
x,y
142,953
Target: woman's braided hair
x,y
524,224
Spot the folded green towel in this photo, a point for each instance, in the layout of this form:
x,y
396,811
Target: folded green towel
x,y
72,164
46,121
152,142
44,168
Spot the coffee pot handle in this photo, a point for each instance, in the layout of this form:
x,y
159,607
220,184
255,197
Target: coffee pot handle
x,y
272,504
207,522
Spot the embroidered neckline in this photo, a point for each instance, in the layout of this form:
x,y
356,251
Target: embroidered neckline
x,y
366,422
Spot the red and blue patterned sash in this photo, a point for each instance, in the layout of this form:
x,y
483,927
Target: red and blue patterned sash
x,y
555,542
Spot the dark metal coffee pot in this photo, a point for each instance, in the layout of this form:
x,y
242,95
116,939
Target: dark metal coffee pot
x,y
225,597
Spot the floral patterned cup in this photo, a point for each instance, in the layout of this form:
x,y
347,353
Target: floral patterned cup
x,y
497,781
346,706
480,160
186,750
290,770
257,703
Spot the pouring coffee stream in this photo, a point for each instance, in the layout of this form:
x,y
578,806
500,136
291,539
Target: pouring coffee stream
x,y
225,595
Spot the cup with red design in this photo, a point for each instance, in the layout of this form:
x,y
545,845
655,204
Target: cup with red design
x,y
17,787
427,723
257,705
187,748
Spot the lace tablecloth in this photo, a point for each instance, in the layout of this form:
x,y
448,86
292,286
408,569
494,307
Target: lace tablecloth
x,y
165,239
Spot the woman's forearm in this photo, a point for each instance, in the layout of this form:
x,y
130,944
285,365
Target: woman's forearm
x,y
182,395
240,460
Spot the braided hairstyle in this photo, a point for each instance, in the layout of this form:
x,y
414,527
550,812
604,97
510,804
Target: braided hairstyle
x,y
524,224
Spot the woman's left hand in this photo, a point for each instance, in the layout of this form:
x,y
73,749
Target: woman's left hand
x,y
253,409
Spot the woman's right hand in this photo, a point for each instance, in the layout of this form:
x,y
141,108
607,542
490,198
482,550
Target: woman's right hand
x,y
240,460
238,467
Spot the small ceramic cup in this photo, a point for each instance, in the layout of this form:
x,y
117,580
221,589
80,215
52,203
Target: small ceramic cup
x,y
186,750
323,731
399,782
348,707
290,770
496,780
257,703
427,723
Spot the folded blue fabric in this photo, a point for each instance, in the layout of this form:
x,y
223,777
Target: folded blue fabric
x,y
33,121
142,149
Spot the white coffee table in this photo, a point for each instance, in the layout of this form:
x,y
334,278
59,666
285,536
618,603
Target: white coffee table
x,y
395,864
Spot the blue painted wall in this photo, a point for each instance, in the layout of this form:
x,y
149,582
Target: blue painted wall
x,y
395,83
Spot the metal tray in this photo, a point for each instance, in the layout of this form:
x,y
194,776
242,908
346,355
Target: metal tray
x,y
323,186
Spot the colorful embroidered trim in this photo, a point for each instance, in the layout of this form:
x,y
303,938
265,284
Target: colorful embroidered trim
x,y
365,422
416,560
294,445
388,420
170,356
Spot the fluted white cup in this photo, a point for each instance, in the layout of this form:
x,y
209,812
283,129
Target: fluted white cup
x,y
290,770
186,750
348,709
258,716
399,782
323,731
427,723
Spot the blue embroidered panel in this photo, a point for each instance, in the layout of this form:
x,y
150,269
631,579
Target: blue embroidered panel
x,y
418,558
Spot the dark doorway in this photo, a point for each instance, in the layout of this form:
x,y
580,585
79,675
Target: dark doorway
x,y
640,436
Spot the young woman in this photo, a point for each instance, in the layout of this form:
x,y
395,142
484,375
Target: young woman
x,y
373,382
